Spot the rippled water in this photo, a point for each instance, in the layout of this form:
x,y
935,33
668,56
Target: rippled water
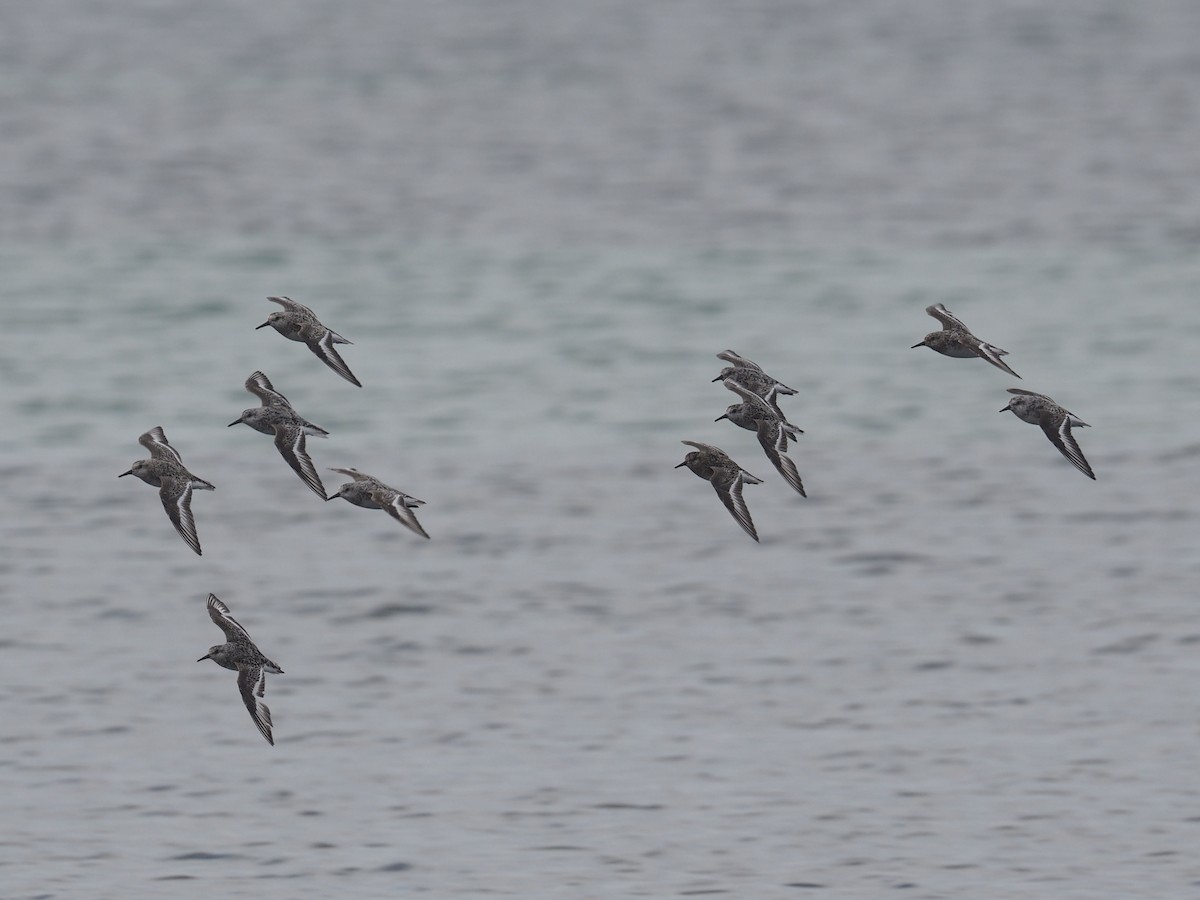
x,y
958,668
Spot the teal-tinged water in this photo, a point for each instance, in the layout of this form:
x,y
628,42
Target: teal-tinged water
x,y
958,668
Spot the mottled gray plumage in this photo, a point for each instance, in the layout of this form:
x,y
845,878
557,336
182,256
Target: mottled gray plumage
x,y
371,493
727,478
297,322
1056,422
165,471
955,339
751,375
772,432
239,652
277,417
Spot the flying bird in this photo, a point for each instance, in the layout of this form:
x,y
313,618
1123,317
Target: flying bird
x,y
955,339
371,493
727,478
276,416
297,322
1056,422
165,471
754,414
751,375
239,652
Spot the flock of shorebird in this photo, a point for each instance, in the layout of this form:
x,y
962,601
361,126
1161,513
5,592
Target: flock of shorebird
x,y
165,470
759,411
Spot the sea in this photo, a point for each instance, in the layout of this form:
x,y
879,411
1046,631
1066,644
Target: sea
x,y
958,668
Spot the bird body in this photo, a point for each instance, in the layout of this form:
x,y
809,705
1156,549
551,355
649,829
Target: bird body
x,y
275,416
727,478
297,322
753,413
1055,422
371,493
165,470
240,653
956,340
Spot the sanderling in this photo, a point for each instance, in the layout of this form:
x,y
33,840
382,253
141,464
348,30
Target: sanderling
x,y
727,479
1038,409
955,339
298,323
754,414
371,493
750,374
240,653
165,471
277,417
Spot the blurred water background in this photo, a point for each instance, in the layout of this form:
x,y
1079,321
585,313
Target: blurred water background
x,y
959,668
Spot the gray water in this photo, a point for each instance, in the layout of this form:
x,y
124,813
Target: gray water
x,y
959,668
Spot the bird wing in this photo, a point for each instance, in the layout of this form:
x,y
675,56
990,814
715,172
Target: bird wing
x,y
155,440
260,386
289,304
289,441
949,321
324,349
394,502
738,361
1058,430
728,484
219,613
176,495
992,354
774,441
251,679
354,473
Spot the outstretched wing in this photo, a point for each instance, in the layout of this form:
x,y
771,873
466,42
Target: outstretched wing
x,y
155,440
260,386
1059,432
992,354
219,613
355,474
948,320
394,502
251,679
774,441
323,348
728,485
289,304
738,361
176,496
289,441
